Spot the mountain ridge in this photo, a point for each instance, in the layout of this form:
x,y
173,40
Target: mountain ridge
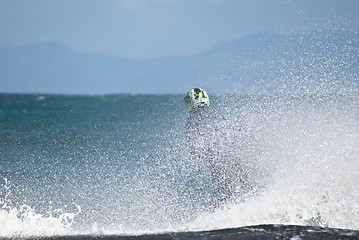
x,y
261,62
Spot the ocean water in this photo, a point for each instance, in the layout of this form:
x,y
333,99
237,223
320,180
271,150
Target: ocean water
x,y
119,164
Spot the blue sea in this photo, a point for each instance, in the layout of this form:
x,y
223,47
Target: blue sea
x,y
119,165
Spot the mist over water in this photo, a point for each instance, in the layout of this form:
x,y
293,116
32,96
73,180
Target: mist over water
x,y
119,164
308,146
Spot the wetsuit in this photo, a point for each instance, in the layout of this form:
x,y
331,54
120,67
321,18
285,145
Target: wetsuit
x,y
206,133
203,133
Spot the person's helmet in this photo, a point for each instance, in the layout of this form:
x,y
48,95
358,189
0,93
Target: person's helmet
x,y
196,97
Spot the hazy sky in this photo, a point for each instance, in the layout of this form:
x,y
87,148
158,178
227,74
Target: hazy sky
x,y
152,28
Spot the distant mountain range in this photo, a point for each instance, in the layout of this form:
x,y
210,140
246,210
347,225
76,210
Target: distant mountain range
x,y
260,63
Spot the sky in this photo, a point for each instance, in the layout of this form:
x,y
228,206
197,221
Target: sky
x,y
155,28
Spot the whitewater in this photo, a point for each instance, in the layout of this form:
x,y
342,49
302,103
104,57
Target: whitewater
x,y
119,164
